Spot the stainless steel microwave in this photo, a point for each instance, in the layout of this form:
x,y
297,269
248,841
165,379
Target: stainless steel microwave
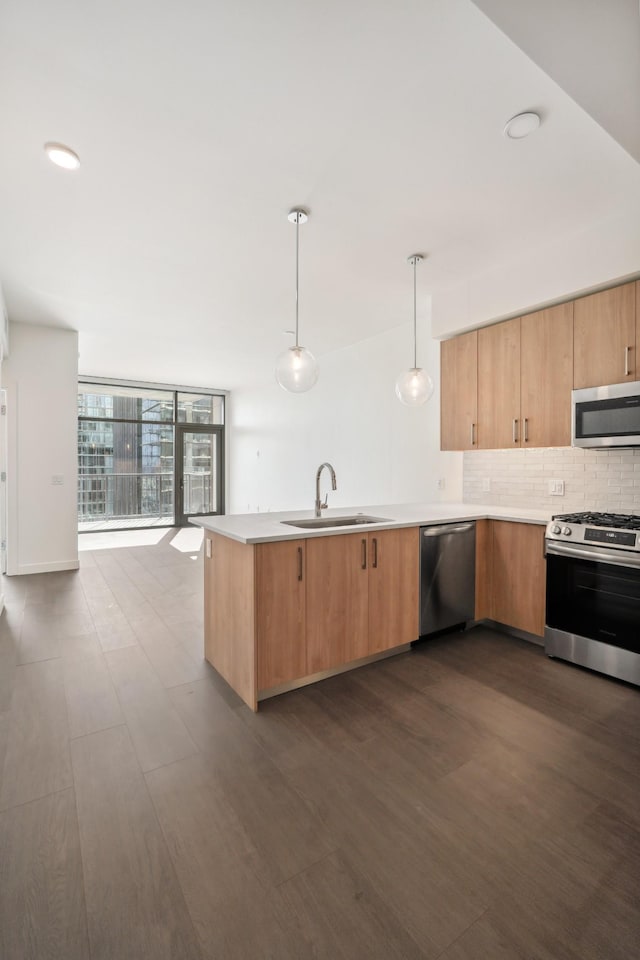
x,y
606,416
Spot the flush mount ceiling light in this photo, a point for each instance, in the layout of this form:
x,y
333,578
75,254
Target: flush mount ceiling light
x,y
521,125
297,368
62,156
415,386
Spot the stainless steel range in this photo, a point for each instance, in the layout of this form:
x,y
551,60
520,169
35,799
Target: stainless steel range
x,y
593,592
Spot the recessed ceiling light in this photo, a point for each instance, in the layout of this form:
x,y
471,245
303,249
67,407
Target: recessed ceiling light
x,y
62,156
521,125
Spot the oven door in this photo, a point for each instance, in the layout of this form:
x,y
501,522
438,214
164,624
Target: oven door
x,y
594,593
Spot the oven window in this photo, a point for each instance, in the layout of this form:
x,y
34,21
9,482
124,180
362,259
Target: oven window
x,y
599,601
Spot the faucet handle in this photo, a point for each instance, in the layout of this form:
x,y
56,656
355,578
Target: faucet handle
x,y
324,504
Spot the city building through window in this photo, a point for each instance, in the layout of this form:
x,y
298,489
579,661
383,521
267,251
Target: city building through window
x,y
148,455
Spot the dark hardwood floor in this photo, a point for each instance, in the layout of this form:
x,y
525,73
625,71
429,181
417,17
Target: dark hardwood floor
x,y
470,799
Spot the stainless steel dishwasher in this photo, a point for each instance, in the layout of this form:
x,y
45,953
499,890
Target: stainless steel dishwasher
x,y
447,576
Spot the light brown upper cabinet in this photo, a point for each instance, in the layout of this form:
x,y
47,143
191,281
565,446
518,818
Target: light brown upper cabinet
x,y
499,385
546,358
459,394
509,384
604,326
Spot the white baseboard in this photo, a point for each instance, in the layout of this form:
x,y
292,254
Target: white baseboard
x,y
52,567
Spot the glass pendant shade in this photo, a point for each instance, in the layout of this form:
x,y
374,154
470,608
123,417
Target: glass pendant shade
x,y
414,387
296,370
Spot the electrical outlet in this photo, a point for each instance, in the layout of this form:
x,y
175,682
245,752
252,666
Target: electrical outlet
x,y
440,483
57,479
556,488
486,484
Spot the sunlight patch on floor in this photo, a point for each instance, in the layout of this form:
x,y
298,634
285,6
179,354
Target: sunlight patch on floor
x,y
120,538
188,539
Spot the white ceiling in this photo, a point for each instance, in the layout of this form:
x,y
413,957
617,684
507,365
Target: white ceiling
x,y
200,124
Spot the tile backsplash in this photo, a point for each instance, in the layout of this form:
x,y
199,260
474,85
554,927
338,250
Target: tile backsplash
x,y
593,479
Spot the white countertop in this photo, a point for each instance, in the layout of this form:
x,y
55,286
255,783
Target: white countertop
x,y
267,527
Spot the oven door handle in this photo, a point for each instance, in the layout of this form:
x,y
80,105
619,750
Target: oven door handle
x,y
622,558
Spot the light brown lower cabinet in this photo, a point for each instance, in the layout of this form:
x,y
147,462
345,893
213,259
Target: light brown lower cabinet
x,y
337,601
279,612
229,613
394,588
510,574
362,595
484,569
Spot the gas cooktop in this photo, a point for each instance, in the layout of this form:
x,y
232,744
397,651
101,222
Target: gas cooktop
x,y
605,529
621,521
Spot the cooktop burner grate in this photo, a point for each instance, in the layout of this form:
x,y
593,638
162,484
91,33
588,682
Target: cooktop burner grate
x,y
622,521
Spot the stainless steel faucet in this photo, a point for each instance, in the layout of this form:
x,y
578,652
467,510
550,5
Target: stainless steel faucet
x,y
320,505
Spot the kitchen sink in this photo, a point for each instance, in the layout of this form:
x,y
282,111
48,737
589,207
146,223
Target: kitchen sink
x,y
317,523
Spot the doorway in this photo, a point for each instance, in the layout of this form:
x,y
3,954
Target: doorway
x,y
199,471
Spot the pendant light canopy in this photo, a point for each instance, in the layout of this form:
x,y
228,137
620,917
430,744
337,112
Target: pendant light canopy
x,y
297,368
414,386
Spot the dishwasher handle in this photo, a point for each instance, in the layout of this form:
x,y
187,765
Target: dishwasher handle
x,y
446,529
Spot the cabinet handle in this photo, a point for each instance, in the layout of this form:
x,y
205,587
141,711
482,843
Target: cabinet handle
x,y
626,361
375,552
515,430
364,555
525,428
299,563
473,434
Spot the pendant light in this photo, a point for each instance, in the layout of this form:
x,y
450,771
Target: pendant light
x,y
297,368
415,386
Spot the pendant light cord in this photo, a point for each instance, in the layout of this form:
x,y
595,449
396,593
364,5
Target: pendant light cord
x,y
297,271
415,329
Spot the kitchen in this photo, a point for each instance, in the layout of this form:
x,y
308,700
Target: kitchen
x,y
417,806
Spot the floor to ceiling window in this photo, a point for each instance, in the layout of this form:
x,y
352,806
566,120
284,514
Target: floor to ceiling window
x,y
148,456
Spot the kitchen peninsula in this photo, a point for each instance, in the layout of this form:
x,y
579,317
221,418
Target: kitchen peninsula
x,y
286,606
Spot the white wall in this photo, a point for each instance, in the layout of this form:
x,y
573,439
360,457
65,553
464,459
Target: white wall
x,y
597,256
41,377
382,451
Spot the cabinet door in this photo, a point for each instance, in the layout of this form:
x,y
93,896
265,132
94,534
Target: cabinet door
x,y
605,337
518,577
484,570
280,606
546,358
499,385
637,364
229,620
394,576
459,392
337,600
